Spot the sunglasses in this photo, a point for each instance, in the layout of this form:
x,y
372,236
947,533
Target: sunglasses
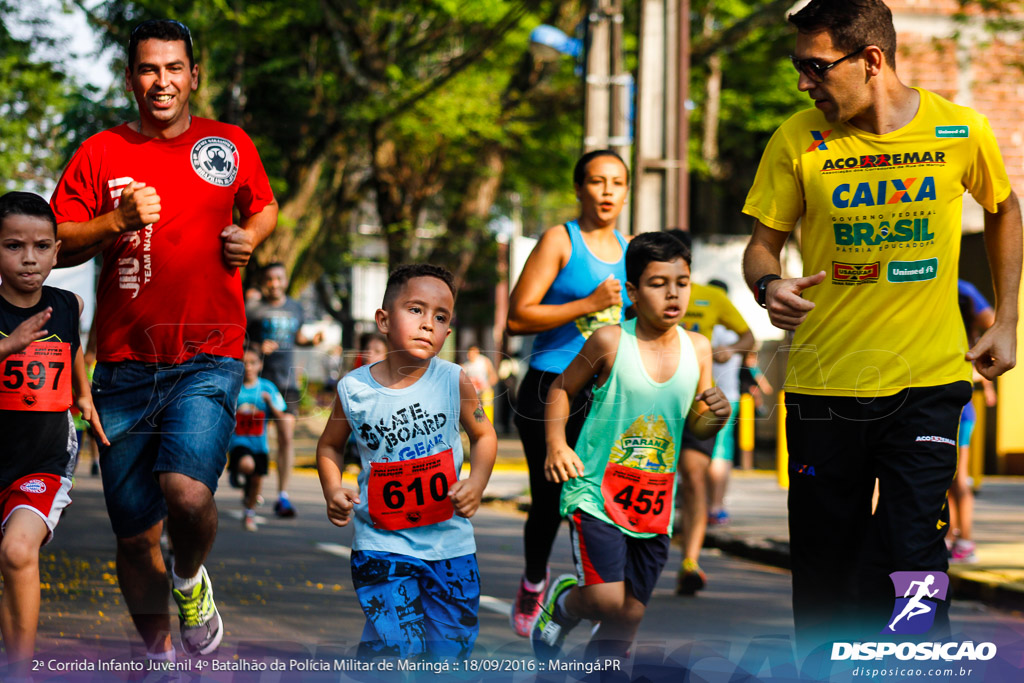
x,y
815,70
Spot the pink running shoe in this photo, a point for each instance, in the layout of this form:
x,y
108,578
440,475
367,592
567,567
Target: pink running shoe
x,y
964,552
526,608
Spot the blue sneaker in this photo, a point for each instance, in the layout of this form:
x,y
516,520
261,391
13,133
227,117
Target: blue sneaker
x,y
553,625
284,508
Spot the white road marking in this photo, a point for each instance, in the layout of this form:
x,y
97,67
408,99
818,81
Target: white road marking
x,y
336,549
502,607
495,605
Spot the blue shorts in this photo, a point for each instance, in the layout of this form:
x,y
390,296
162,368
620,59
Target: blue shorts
x,y
162,418
603,553
968,418
417,608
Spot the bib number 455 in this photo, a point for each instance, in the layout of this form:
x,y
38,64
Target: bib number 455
x,y
638,500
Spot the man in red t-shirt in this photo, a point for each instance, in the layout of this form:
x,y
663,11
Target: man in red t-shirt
x,y
156,197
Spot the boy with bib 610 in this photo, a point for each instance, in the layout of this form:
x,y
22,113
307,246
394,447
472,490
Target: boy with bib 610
x,y
413,559
653,381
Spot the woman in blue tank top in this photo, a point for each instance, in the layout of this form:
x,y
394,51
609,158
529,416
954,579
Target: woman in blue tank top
x,y
572,284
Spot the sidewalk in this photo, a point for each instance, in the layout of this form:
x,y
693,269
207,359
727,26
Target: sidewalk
x,y
758,529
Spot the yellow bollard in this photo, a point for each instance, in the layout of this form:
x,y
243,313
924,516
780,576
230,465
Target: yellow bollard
x,y
782,450
745,431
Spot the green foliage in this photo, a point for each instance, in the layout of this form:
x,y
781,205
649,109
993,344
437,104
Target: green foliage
x,y
34,94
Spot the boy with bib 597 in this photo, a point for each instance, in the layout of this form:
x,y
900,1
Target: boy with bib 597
x,y
653,381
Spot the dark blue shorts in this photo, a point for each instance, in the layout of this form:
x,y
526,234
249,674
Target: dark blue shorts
x,y
415,607
602,553
162,418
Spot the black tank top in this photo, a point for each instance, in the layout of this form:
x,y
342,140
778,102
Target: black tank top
x,y
38,432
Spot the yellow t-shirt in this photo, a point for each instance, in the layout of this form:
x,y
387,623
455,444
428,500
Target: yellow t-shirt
x,y
882,217
710,306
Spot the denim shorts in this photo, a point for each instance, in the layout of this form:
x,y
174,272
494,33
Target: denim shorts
x,y
162,418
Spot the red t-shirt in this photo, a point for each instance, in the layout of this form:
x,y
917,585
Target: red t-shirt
x,y
165,293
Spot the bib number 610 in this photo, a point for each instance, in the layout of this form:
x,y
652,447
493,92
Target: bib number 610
x,y
394,497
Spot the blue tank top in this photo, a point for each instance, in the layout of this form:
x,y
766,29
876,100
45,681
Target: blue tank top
x,y
392,425
553,350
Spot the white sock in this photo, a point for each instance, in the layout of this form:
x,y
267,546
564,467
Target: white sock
x,y
166,656
560,605
533,587
249,512
283,495
185,585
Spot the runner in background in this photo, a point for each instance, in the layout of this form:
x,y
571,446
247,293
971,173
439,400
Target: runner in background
x,y
978,316
571,285
709,306
481,373
248,454
275,326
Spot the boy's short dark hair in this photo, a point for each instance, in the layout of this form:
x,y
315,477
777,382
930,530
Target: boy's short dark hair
x,y
160,29
579,171
720,284
26,204
402,274
652,246
683,236
265,270
851,24
254,348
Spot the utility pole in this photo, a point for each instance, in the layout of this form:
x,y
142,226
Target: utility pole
x,y
661,185
606,97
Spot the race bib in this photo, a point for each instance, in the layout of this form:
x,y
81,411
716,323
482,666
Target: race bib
x,y
411,493
250,423
38,378
637,500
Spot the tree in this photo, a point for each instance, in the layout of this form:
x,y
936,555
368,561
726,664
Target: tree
x,y
34,94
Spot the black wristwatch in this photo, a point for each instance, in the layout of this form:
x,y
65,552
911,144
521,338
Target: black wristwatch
x,y
761,289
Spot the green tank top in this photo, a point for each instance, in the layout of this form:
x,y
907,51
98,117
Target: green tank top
x,y
629,444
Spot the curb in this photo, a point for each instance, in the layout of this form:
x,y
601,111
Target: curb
x,y
1005,595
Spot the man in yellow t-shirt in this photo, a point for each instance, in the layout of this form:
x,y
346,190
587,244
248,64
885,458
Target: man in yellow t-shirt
x,y
878,369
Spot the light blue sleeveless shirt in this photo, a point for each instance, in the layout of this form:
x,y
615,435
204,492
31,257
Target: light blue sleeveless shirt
x,y
553,350
391,425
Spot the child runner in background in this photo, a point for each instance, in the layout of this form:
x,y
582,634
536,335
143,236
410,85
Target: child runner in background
x,y
248,452
413,560
42,363
653,379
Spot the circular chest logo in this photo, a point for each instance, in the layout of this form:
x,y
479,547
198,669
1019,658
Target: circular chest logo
x,y
215,160
34,486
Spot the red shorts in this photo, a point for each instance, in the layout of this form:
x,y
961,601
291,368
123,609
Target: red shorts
x,y
44,494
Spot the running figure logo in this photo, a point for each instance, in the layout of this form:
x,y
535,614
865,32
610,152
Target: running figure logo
x,y
914,612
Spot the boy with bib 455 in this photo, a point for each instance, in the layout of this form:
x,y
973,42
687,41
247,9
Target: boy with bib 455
x,y
653,381
413,560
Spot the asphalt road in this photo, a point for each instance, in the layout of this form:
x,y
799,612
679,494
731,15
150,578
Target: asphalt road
x,y
286,598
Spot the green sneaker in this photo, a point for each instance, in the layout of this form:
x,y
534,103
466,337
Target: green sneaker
x,y
201,627
553,625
